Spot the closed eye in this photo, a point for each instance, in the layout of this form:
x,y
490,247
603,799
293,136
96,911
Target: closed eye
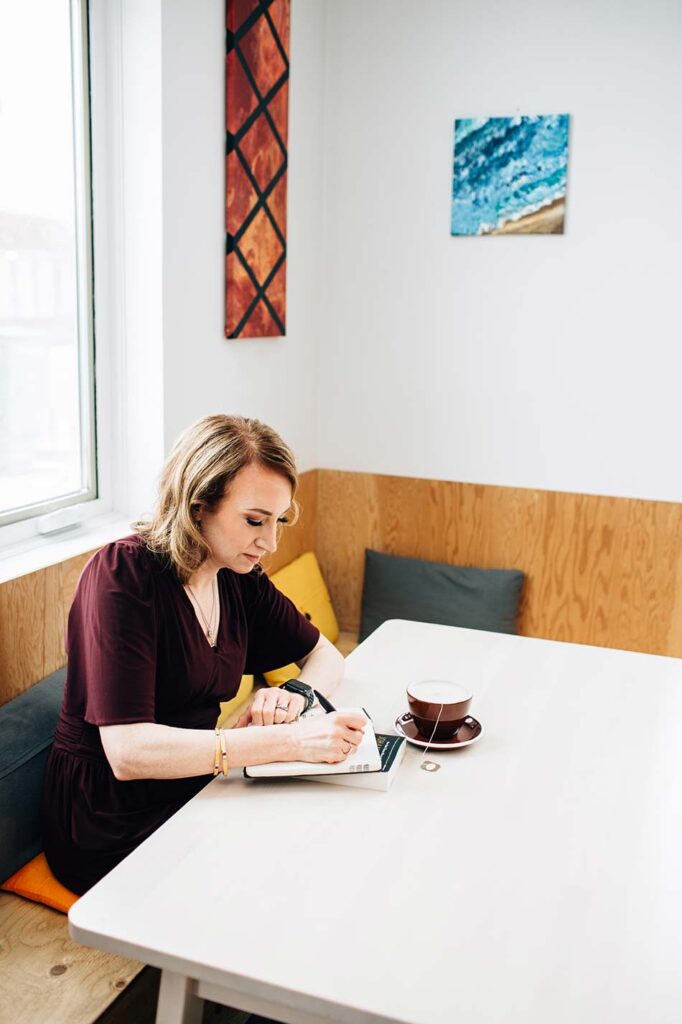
x,y
259,522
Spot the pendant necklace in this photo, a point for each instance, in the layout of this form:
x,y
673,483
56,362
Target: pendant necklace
x,y
208,623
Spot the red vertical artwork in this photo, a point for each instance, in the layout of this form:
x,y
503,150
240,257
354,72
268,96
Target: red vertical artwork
x,y
256,121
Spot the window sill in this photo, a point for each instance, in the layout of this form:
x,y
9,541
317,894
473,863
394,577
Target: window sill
x,y
40,552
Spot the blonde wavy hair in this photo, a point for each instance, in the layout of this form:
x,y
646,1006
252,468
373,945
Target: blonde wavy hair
x,y
198,473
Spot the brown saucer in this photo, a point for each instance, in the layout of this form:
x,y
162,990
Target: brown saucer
x,y
468,732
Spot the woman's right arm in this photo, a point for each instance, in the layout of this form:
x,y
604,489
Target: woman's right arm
x,y
145,750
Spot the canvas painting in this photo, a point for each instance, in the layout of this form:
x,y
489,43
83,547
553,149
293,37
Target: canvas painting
x,y
509,175
256,114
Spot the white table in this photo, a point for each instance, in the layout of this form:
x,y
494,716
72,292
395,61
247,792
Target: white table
x,y
536,878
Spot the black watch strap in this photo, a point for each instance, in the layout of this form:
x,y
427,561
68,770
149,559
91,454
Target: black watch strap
x,y
297,686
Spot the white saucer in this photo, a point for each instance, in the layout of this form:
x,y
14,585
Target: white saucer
x,y
469,731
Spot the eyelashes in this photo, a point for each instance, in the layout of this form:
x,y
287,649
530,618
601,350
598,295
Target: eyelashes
x,y
259,522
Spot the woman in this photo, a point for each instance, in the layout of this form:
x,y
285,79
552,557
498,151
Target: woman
x,y
163,625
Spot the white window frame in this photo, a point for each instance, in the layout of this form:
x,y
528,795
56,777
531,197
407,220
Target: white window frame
x,y
125,75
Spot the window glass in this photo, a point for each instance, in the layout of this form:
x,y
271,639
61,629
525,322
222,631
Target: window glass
x,y
46,426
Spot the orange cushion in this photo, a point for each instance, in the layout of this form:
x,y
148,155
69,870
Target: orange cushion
x,y
36,882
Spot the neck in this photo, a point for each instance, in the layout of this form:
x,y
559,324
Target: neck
x,y
203,578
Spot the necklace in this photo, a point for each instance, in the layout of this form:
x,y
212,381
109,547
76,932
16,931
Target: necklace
x,y
208,623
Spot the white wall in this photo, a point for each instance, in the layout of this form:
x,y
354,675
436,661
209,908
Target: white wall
x,y
273,380
550,362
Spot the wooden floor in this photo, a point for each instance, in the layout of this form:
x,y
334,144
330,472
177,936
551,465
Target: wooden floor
x,y
47,978
40,965
137,1005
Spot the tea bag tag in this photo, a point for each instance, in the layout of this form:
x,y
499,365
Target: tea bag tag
x,y
431,766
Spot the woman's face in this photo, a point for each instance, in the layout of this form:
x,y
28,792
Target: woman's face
x,y
243,526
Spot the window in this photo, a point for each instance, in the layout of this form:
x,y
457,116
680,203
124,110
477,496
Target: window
x,y
47,406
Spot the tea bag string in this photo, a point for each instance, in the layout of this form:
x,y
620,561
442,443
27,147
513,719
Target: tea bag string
x,y
430,741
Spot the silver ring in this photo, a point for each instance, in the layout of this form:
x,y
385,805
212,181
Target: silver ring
x,y
346,752
282,707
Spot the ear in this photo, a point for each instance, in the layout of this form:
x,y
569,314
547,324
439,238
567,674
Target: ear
x,y
197,511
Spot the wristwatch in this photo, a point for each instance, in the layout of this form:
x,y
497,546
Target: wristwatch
x,y
297,686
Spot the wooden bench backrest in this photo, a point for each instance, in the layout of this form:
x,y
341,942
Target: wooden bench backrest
x,y
603,571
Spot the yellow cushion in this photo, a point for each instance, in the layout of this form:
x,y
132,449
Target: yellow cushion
x,y
229,707
36,882
301,581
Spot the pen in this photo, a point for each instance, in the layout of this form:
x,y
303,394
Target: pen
x,y
325,704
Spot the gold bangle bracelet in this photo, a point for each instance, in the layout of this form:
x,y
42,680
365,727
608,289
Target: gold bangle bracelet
x,y
223,748
216,757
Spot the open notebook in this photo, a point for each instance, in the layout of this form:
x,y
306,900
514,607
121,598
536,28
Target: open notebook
x,y
366,758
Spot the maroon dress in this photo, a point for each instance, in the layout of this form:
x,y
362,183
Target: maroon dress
x,y
137,653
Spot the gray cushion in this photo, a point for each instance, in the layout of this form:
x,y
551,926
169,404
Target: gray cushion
x,y
27,726
451,595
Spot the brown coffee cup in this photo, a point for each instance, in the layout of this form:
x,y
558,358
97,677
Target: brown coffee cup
x,y
438,706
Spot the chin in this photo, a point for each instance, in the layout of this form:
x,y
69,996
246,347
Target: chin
x,y
242,565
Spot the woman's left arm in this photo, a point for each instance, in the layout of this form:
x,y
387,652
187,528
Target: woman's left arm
x,y
323,667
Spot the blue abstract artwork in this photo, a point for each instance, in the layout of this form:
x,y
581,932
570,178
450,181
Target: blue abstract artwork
x,y
509,175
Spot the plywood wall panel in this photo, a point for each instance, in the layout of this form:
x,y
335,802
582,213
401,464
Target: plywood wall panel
x,y
53,621
22,634
33,614
605,571
69,575
297,539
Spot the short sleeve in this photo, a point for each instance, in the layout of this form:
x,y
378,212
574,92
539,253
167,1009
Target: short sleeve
x,y
277,632
112,636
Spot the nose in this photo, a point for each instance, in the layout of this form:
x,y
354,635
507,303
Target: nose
x,y
267,541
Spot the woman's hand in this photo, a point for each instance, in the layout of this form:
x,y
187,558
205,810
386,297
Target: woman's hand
x,y
329,738
272,706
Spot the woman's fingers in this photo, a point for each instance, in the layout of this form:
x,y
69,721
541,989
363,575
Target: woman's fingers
x,y
351,719
352,739
267,712
286,707
330,738
276,707
280,713
347,731
262,708
351,730
295,706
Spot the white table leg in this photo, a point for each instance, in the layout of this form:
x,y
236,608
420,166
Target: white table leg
x,y
178,1003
